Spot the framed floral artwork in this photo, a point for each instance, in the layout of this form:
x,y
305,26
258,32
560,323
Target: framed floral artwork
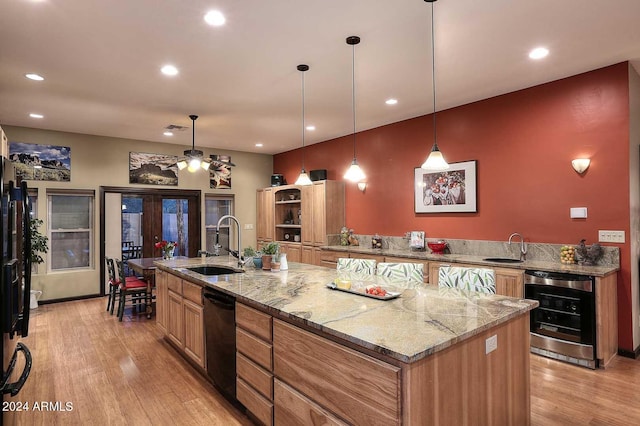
x,y
448,191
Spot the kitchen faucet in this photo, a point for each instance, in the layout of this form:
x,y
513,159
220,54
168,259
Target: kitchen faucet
x,y
523,246
216,246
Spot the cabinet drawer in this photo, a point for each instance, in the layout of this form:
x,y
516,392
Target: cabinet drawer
x,y
254,349
174,284
254,402
256,376
356,387
254,321
192,292
291,408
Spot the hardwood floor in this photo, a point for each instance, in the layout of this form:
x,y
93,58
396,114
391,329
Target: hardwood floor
x,y
124,373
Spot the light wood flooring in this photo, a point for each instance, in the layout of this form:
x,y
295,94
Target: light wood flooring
x,y
124,373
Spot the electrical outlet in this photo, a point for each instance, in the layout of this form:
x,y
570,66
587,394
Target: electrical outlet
x,y
491,344
611,236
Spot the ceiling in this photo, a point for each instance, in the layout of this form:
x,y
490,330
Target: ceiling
x,y
101,61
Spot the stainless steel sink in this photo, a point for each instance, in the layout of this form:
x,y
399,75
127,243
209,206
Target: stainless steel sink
x,y
502,260
214,270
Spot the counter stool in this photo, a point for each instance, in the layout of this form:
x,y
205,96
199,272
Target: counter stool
x,y
482,280
402,270
363,266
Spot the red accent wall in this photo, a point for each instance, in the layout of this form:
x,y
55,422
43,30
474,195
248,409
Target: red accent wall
x,y
523,143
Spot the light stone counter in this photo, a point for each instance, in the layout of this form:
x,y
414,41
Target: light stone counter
x,y
422,321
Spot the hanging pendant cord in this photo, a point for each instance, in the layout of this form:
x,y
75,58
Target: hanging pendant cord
x,y
303,124
353,96
433,75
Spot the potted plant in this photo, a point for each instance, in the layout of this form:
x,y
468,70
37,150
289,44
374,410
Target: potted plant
x,y
250,252
39,242
267,253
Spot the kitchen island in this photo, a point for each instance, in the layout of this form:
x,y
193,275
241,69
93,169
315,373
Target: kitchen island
x,y
430,356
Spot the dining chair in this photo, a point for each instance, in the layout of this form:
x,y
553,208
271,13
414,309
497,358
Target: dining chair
x,y
363,266
482,280
133,287
402,270
114,285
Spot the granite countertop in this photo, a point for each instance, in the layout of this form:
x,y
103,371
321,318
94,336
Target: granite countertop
x,y
423,320
597,271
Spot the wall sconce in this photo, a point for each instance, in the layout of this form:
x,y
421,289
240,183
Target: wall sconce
x,y
580,165
362,186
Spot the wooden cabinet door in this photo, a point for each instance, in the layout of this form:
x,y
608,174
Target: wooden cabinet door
x,y
329,258
293,251
264,214
175,322
161,300
307,254
194,332
319,228
510,282
306,232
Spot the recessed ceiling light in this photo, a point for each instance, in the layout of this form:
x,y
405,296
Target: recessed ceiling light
x,y
34,77
391,101
168,133
169,70
215,18
259,145
310,128
538,53
34,115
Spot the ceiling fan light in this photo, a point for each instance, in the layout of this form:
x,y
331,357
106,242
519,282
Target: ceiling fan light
x,y
303,179
182,164
194,164
354,173
435,161
205,165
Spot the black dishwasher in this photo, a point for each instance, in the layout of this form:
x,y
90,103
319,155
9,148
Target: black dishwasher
x,y
220,332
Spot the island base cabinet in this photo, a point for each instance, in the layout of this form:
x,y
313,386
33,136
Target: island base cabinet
x,y
465,385
355,387
256,404
292,408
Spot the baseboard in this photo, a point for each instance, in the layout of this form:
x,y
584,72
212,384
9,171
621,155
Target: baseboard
x,y
69,299
629,354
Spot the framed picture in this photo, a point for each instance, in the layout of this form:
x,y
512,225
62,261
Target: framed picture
x,y
449,191
41,162
153,169
220,172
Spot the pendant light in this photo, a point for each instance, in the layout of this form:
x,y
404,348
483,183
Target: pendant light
x,y
354,173
435,162
303,179
193,160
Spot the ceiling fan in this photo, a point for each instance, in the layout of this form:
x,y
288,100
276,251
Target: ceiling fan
x,y
193,158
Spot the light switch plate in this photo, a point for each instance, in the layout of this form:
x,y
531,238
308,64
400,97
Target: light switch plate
x,y
491,344
248,226
578,212
605,236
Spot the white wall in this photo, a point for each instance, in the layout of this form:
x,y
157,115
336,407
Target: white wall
x,y
103,161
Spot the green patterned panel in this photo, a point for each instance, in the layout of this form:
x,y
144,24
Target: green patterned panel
x,y
412,271
364,266
473,279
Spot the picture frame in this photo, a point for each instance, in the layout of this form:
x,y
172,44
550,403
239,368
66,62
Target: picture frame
x,y
448,191
153,169
40,161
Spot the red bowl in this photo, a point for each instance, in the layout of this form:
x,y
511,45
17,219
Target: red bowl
x,y
437,247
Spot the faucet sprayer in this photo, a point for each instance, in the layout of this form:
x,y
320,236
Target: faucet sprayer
x,y
216,247
523,246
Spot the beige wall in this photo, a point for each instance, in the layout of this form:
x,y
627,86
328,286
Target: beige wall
x,y
102,161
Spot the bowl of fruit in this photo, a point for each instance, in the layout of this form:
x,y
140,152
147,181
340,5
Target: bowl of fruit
x,y
437,247
568,255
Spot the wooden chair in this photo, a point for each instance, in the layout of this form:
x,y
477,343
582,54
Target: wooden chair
x,y
114,285
133,287
482,280
363,266
402,270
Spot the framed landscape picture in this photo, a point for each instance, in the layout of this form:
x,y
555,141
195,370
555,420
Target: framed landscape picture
x,y
220,172
449,191
153,169
41,162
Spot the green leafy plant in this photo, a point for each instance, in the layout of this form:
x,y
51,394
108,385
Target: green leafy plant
x,y
249,252
271,249
39,242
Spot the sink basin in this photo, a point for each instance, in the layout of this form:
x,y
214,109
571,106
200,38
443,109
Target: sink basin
x,y
213,270
502,260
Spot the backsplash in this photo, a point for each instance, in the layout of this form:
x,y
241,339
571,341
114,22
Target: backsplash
x,y
535,251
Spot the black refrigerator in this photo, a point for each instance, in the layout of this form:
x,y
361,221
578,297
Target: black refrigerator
x,y
15,288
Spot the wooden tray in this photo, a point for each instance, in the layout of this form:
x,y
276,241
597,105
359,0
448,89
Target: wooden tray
x,y
390,294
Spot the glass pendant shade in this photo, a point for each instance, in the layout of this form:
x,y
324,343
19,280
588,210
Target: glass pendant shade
x,y
194,159
435,161
182,164
303,179
354,173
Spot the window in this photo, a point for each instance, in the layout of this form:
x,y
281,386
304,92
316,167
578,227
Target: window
x,y
70,230
217,206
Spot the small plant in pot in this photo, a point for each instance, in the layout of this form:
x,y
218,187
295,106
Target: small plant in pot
x,y
250,252
268,251
275,262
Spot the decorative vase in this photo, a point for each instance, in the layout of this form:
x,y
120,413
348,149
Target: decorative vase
x,y
284,265
257,262
266,262
168,254
275,266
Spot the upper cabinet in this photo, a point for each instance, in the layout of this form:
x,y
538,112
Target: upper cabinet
x,y
300,215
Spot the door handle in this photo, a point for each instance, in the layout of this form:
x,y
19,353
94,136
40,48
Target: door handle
x,y
15,387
